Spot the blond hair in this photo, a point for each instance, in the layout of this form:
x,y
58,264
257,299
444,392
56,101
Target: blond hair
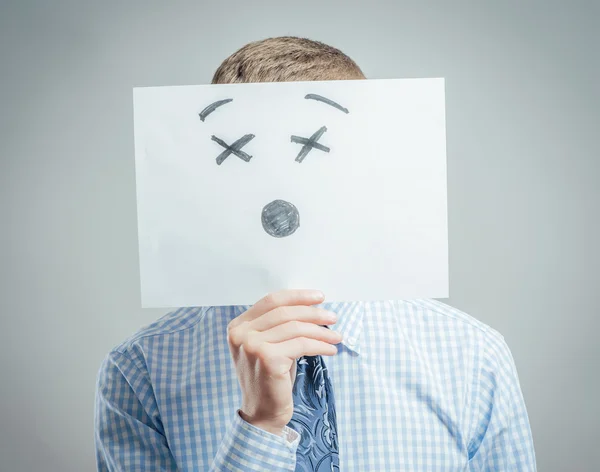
x,y
286,59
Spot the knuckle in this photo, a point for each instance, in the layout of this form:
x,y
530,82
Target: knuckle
x,y
236,333
284,313
295,326
263,354
252,346
231,325
234,337
304,343
269,299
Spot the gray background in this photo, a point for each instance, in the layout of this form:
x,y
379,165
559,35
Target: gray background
x,y
523,161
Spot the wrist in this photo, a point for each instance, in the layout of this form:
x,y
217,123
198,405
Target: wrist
x,y
268,426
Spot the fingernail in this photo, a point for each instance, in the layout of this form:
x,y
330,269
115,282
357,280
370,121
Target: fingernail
x,y
318,295
331,316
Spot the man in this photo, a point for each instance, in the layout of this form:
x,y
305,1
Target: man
x,y
410,385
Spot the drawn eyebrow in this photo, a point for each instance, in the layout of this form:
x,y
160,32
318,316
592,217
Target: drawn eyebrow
x,y
212,107
319,98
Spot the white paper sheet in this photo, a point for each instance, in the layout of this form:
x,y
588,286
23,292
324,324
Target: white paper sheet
x,y
372,211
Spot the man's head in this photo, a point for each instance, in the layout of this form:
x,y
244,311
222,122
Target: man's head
x,y
286,59
283,59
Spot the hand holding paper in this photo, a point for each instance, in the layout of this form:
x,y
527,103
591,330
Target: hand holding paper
x,y
265,342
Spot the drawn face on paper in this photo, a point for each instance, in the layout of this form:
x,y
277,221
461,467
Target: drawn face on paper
x,y
279,218
245,189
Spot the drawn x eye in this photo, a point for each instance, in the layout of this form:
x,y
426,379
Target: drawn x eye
x,y
310,143
235,148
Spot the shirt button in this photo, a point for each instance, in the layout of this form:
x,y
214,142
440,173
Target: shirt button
x,y
351,341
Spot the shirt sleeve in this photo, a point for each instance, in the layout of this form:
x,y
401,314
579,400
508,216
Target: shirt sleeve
x,y
501,436
248,448
128,431
129,435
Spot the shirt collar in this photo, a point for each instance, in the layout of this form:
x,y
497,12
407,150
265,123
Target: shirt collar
x,y
350,322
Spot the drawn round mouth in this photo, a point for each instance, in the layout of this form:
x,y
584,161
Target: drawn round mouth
x,y
280,218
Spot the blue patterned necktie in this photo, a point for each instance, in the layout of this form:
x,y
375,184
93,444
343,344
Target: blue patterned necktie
x,y
314,417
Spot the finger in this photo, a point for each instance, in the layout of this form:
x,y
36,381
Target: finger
x,y
277,299
290,317
295,329
298,347
284,314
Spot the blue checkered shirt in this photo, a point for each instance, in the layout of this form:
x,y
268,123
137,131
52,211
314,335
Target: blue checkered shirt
x,y
419,386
